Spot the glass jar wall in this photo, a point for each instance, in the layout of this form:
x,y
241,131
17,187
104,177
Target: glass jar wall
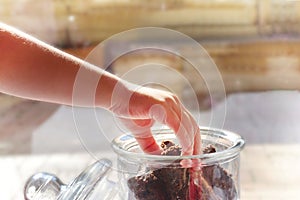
x,y
212,175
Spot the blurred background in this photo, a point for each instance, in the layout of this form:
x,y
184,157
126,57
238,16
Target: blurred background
x,y
254,43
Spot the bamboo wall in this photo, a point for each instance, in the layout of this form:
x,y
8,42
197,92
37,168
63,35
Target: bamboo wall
x,y
79,23
254,43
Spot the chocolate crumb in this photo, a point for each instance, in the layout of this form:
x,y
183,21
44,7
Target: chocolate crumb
x,y
209,149
166,144
170,149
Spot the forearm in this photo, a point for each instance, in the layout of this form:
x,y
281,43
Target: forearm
x,y
32,69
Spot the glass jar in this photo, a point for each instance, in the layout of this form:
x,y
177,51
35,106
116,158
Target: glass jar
x,y
213,175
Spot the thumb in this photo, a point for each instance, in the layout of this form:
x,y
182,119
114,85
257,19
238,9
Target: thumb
x,y
141,130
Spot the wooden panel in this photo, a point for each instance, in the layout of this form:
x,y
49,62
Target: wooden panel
x,y
244,66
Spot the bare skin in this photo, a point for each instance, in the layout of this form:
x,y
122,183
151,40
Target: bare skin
x,y
32,69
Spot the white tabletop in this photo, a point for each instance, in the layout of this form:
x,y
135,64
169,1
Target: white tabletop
x,y
268,172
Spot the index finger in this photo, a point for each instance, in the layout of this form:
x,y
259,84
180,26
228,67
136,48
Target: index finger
x,y
181,126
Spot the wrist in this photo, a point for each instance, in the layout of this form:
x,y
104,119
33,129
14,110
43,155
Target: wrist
x,y
120,98
106,89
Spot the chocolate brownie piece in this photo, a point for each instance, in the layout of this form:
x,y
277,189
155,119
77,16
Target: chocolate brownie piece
x,y
147,187
218,178
220,181
175,182
161,184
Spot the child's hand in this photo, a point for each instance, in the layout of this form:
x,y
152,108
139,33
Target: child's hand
x,y
141,107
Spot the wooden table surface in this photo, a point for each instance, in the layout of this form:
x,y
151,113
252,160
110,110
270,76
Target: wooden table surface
x,y
268,172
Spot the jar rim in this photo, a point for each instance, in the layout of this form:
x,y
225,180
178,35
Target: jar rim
x,y
122,143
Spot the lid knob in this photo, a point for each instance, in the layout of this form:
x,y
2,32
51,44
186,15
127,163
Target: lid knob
x,y
42,186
